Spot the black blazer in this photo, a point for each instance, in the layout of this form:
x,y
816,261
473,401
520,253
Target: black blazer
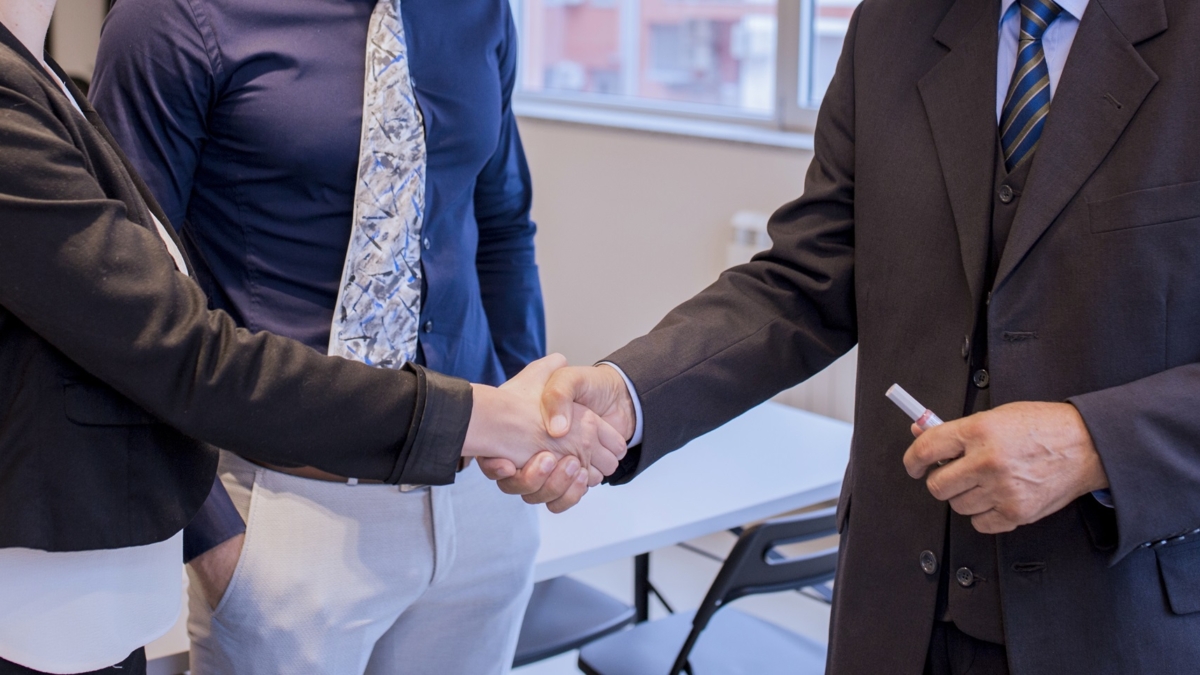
x,y
1096,301
114,375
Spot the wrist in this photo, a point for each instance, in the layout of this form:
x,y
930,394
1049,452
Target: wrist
x,y
480,439
624,419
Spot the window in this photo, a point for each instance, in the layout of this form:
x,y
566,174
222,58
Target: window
x,y
765,63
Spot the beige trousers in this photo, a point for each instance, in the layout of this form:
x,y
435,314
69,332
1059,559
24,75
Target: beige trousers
x,y
340,580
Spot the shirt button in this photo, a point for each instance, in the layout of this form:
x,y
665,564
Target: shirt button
x,y
428,327
1006,194
981,378
965,577
425,242
929,562
966,347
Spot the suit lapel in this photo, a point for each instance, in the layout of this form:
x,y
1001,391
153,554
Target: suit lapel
x,y
959,94
1103,84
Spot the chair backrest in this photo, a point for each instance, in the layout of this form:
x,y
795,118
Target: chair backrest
x,y
749,570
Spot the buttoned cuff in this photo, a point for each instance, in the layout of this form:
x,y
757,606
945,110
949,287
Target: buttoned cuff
x,y
636,440
434,443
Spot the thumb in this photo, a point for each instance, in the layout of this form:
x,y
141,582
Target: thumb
x,y
558,401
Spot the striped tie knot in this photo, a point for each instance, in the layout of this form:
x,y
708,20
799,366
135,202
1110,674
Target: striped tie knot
x,y
1028,100
1036,17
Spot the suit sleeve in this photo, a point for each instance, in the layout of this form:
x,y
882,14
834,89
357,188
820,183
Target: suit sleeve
x,y
506,264
766,325
102,290
1146,433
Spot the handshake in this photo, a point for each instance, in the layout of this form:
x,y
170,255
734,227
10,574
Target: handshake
x,y
552,432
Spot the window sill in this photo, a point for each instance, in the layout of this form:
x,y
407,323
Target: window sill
x,y
664,124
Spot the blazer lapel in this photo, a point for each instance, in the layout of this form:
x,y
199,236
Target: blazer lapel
x,y
1103,84
959,94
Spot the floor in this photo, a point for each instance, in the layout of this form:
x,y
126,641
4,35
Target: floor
x,y
683,576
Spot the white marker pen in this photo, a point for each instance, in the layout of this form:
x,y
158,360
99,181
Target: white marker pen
x,y
924,417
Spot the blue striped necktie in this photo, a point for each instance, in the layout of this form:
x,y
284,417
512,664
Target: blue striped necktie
x,y
1028,100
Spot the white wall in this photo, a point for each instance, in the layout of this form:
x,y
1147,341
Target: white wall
x,y
75,34
633,223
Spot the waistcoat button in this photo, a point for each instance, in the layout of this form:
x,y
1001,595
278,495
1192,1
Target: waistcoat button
x,y
965,577
966,347
981,378
929,562
1006,194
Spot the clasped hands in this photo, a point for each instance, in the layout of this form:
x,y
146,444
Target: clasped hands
x,y
552,432
541,436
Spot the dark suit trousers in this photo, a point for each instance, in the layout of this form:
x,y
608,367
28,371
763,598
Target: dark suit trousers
x,y
953,652
134,665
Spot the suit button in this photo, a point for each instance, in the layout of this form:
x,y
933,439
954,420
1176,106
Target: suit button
x,y
965,577
929,562
1006,195
426,243
966,347
428,327
981,378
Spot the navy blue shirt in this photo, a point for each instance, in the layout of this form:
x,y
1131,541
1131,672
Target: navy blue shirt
x,y
244,117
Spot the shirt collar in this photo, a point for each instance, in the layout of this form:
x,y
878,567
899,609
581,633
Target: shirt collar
x,y
1073,7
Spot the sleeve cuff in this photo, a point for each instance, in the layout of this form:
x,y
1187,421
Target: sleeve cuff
x,y
217,522
1104,497
434,442
636,440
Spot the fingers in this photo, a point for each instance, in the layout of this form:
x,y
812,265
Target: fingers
x,y
558,400
561,484
594,477
916,430
973,502
993,522
497,469
939,444
956,478
531,478
576,492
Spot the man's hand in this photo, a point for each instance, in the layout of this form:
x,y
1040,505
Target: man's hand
x,y
599,389
507,429
214,569
1011,466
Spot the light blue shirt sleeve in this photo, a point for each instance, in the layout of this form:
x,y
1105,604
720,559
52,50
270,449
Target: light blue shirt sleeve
x,y
636,440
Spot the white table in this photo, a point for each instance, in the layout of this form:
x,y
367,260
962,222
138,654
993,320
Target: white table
x,y
771,460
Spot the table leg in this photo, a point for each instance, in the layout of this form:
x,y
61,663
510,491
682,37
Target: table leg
x,y
641,587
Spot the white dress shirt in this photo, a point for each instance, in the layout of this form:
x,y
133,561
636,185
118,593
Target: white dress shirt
x,y
82,611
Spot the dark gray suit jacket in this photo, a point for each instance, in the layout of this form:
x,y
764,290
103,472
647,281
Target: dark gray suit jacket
x,y
1096,301
115,376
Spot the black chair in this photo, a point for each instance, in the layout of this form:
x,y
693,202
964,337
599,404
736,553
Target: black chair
x,y
565,614
734,643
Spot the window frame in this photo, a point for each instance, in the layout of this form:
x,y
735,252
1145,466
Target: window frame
x,y
791,124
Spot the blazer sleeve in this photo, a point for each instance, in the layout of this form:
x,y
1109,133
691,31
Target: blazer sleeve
x,y
102,290
766,325
1146,433
505,261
